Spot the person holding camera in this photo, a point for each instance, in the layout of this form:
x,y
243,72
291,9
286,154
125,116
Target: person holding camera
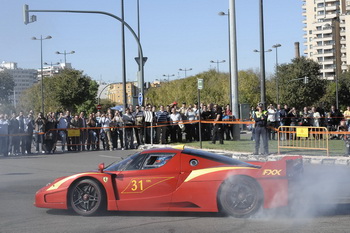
x,y
40,123
218,132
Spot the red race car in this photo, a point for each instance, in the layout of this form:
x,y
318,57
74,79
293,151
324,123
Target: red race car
x,y
172,179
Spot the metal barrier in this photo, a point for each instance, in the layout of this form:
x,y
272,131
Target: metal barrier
x,y
303,137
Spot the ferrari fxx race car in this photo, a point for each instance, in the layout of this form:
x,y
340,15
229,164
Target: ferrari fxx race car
x,y
170,179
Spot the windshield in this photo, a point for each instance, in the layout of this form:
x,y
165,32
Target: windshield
x,y
134,161
141,161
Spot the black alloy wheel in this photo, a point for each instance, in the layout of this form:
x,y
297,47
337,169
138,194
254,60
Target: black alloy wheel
x,y
240,196
87,197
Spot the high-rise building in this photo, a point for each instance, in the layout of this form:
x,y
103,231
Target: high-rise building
x,y
327,35
23,78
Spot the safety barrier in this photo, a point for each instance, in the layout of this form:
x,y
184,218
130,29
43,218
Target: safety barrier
x,y
292,137
303,137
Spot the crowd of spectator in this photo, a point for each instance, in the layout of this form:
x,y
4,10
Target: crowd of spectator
x,y
38,133
333,119
26,134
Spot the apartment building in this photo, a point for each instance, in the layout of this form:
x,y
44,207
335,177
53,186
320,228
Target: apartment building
x,y
115,92
52,69
23,78
327,35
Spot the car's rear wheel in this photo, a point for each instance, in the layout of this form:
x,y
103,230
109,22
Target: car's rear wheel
x,y
87,197
240,196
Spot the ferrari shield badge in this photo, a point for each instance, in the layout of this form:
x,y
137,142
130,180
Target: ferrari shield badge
x,y
105,179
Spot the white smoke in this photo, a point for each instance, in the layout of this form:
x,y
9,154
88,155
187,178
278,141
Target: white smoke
x,y
322,191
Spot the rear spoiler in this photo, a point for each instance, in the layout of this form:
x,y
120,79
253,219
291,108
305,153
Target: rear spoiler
x,y
290,167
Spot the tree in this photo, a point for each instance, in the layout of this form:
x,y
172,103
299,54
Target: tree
x,y
249,87
70,90
7,85
344,90
31,99
293,90
216,90
216,87
105,105
329,98
73,89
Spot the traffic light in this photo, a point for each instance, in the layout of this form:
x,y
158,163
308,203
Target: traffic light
x,y
26,15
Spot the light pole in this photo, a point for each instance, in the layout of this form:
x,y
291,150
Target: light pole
x,y
140,77
217,64
41,68
276,46
14,96
168,75
262,54
229,51
234,67
262,75
65,56
33,18
185,70
125,97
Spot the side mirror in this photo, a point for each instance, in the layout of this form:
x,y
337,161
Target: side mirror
x,y
101,167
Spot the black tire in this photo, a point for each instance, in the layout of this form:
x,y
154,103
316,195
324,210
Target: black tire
x,y
240,196
87,197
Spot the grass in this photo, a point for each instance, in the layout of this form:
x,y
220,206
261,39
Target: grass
x,y
245,145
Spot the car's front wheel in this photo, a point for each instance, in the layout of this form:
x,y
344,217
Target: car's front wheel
x,y
240,196
87,197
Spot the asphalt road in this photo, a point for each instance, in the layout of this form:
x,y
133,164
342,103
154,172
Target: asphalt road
x,y
21,177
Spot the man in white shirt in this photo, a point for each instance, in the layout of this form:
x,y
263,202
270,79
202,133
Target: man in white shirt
x,y
175,133
106,130
149,117
271,122
62,126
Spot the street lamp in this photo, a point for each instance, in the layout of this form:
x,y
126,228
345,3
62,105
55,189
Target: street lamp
x,y
221,13
140,78
168,75
41,68
276,46
14,96
262,74
217,64
185,70
65,56
262,54
266,51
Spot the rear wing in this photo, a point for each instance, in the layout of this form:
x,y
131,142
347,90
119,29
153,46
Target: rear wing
x,y
290,167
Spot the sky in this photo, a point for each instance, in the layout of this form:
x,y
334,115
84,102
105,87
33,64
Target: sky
x,y
174,34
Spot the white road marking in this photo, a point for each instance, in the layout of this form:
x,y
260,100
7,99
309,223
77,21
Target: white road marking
x,y
109,156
